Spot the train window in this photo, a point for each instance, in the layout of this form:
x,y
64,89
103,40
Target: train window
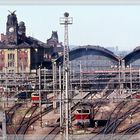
x,y
35,94
79,111
82,111
85,111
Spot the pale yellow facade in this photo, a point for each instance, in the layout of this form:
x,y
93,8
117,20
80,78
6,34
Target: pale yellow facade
x,y
14,63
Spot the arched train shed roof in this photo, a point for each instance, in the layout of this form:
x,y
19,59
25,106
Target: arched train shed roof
x,y
132,56
91,48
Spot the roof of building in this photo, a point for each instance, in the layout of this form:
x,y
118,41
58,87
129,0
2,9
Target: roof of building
x,y
29,42
75,50
132,54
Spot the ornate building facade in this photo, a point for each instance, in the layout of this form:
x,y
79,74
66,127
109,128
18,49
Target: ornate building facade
x,y
19,53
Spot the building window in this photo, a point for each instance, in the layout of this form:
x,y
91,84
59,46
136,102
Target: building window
x,y
11,60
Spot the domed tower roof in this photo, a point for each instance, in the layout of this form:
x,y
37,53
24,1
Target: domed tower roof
x,y
21,28
21,23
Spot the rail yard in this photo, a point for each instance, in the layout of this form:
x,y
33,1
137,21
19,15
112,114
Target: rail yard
x,y
87,93
104,112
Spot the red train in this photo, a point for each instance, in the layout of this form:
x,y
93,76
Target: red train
x,y
83,114
137,96
35,99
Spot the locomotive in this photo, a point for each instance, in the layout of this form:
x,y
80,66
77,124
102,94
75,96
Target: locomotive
x,y
83,114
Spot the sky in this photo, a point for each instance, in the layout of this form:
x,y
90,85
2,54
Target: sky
x,y
103,25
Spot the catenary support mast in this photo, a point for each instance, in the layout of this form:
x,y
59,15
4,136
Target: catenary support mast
x,y
66,20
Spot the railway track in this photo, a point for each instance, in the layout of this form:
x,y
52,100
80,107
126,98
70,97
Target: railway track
x,y
116,117
24,124
116,111
56,130
132,129
112,115
25,121
115,114
9,117
53,133
20,130
121,119
32,119
114,124
10,113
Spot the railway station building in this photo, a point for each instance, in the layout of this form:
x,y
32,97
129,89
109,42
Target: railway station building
x,y
19,53
22,53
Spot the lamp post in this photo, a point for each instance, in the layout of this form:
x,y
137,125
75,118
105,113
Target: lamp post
x,y
66,20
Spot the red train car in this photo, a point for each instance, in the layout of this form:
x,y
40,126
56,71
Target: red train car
x,y
83,114
137,96
35,98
